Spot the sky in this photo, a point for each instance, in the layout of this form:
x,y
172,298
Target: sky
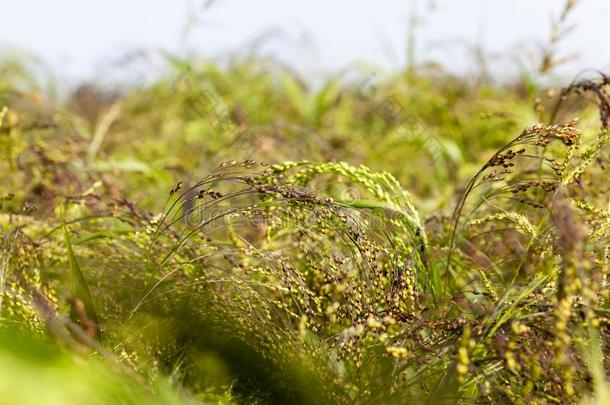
x,y
80,40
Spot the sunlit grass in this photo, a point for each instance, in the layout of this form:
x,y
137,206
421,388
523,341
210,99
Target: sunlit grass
x,y
423,240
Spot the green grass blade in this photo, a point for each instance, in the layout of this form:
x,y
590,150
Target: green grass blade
x,y
80,289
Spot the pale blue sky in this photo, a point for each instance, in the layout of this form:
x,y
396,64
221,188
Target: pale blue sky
x,y
78,38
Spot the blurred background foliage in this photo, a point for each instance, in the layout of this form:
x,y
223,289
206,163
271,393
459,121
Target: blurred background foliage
x,y
201,114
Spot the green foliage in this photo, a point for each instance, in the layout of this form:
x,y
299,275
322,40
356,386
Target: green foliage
x,y
301,282
35,372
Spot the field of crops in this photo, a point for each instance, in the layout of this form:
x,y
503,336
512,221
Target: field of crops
x,y
230,233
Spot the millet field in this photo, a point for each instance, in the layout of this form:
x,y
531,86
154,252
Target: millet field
x,y
231,233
